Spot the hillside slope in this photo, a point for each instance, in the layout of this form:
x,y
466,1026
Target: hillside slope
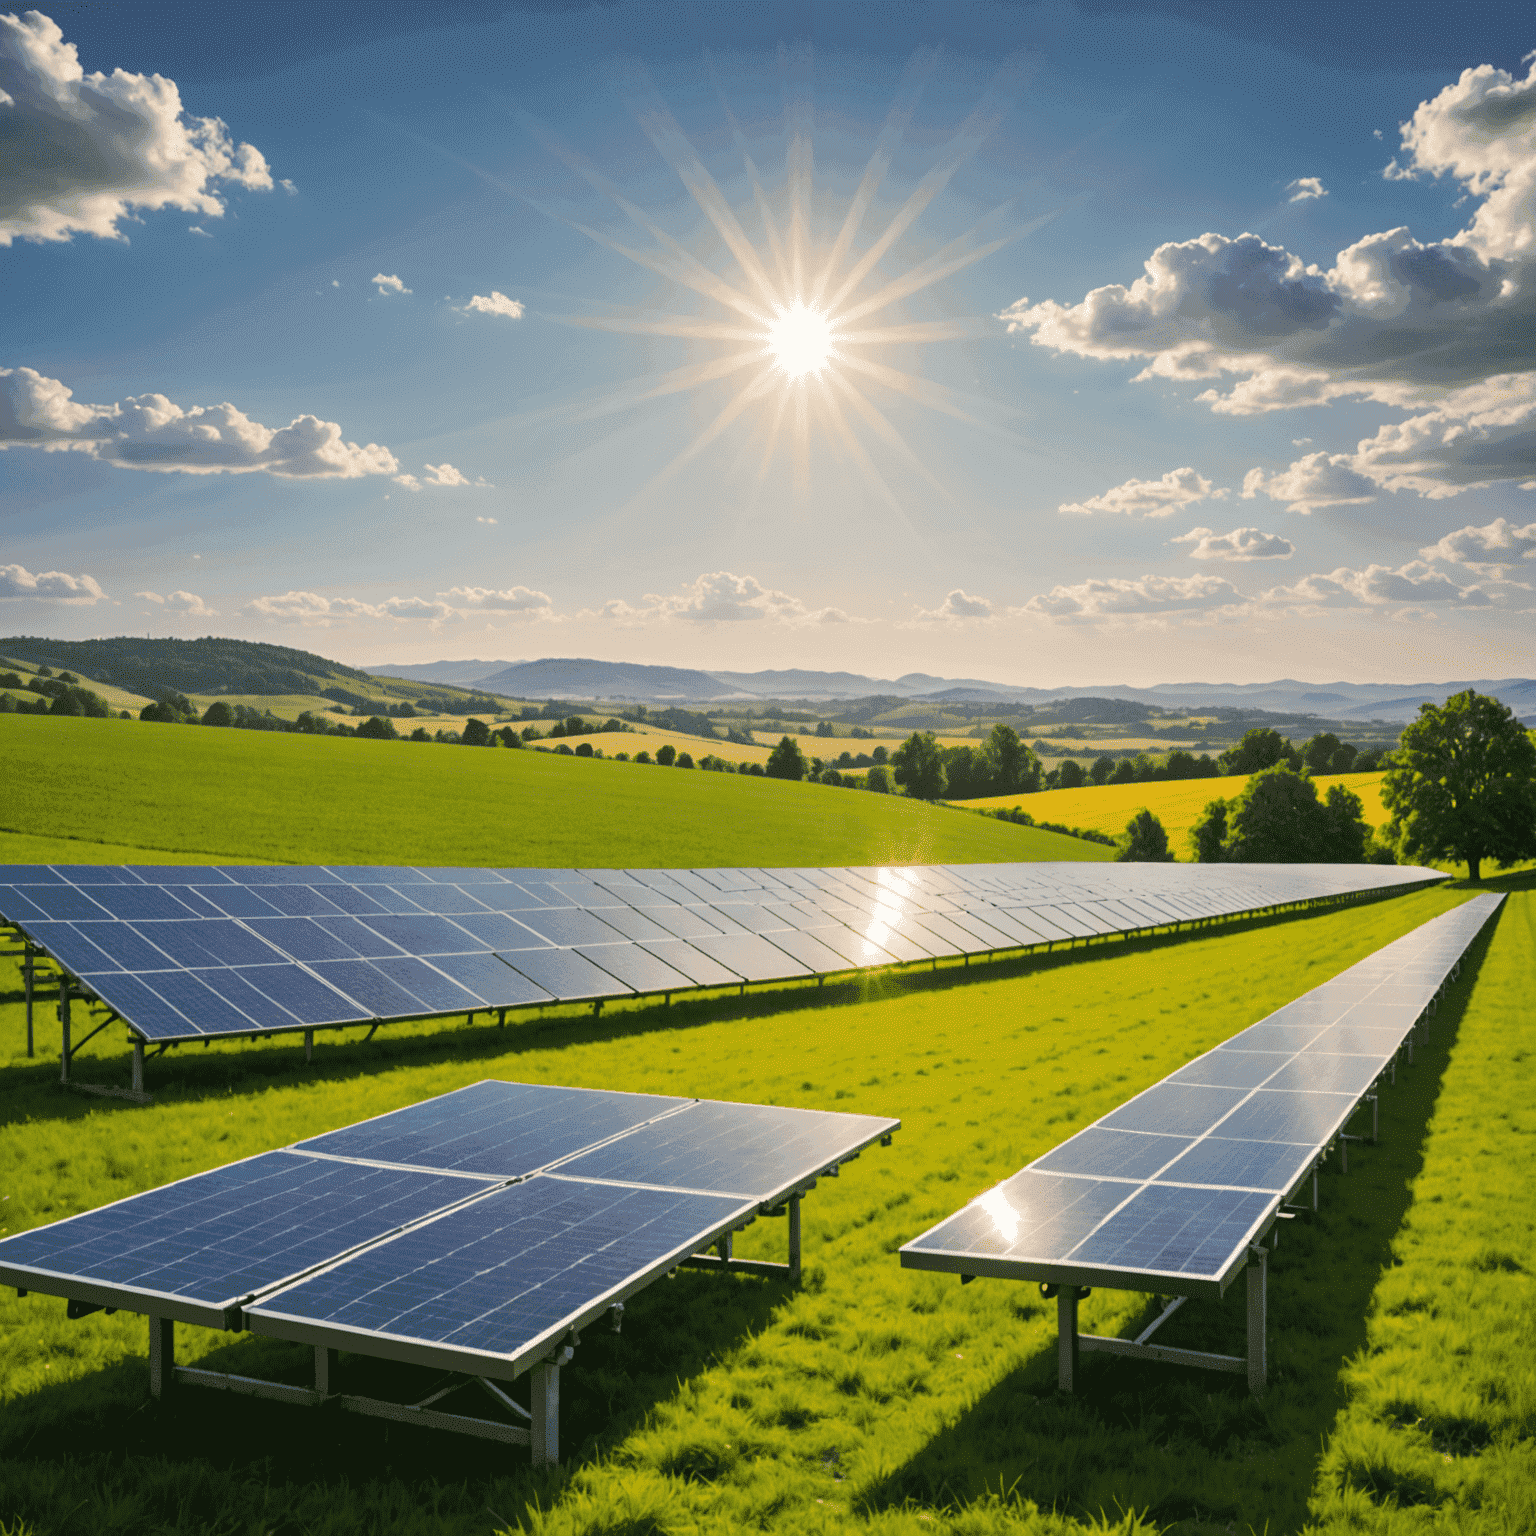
x,y
246,795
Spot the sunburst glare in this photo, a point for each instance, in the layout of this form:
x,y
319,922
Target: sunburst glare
x,y
800,340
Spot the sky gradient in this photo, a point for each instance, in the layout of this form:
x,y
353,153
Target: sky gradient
x,y
1163,345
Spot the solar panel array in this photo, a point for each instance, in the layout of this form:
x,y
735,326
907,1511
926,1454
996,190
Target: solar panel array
x,y
184,952
1166,1192
470,1231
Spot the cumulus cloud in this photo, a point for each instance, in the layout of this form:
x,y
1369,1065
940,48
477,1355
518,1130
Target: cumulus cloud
x,y
49,586
496,304
1239,544
1490,547
1115,597
298,607
1148,498
188,603
1376,586
488,600
82,151
721,597
1305,188
1447,327
388,284
955,608
440,476
150,432
1318,480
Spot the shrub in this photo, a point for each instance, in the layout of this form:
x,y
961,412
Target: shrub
x,y
1146,841
476,733
642,757
683,760
218,713
584,750
878,779
377,728
787,761
666,754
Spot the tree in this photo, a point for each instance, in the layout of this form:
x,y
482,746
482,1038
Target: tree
x,y
666,754
878,779
1259,749
1462,785
1071,774
684,760
1317,754
584,749
1345,835
787,761
1146,841
476,733
825,728
377,728
1014,767
918,766
1101,770
218,713
1208,836
1278,819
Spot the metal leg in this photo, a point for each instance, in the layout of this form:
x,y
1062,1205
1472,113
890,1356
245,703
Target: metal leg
x,y
138,1066
1066,1337
1375,1119
162,1356
64,1028
27,967
1258,1289
1314,1186
794,1239
325,1360
723,1248
309,1046
544,1393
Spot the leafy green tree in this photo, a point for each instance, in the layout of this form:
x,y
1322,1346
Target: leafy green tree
x,y
919,767
666,754
218,713
1259,749
1146,841
1462,784
825,728
1318,752
476,733
1208,836
1278,819
684,759
878,779
1345,834
830,775
787,761
163,713
378,728
642,757
1125,772
1070,774
1015,769
1101,770
420,734
584,749
878,755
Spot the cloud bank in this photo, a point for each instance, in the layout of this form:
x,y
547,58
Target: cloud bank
x,y
496,304
49,586
82,151
1239,544
1148,498
188,603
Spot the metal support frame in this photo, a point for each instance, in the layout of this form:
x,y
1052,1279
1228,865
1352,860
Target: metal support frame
x,y
64,1050
724,1255
1071,1345
309,1046
162,1356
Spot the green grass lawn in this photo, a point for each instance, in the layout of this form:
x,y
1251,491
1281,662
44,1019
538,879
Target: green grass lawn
x,y
109,786
871,1399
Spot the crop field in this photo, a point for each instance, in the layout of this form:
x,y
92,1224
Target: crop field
x,y
252,795
871,1399
1177,803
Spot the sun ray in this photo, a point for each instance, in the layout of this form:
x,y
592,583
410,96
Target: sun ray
x,y
961,328
915,77
881,425
967,139
856,451
937,397
752,390
773,434
801,163
759,194
638,391
673,325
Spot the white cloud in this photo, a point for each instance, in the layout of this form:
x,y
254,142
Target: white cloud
x,y
197,229
496,304
1447,328
388,284
288,187
1375,586
1487,548
489,520
49,586
150,432
188,603
486,599
1239,544
1149,498
1305,188
311,608
82,151
1318,480
1115,597
720,597
956,608
441,476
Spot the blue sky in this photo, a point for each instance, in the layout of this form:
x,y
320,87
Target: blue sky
x,y
330,337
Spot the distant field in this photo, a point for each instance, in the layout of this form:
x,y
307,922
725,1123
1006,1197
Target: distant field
x,y
241,795
1178,804
117,698
870,1400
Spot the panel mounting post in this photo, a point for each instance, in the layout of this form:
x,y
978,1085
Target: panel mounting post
x,y
544,1399
138,1066
162,1356
63,1028
309,1046
28,965
1258,1291
794,1239
325,1362
1066,1337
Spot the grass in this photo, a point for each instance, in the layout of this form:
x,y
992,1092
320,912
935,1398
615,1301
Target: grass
x,y
872,1399
1177,803
251,795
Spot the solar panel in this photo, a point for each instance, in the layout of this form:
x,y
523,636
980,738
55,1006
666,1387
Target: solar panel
x,y
362,943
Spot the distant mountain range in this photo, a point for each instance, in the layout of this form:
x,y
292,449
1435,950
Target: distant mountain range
x,y
584,678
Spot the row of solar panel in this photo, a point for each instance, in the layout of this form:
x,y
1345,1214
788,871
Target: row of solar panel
x,y
1175,1181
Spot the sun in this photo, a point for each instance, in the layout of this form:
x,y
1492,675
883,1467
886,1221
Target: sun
x,y
800,340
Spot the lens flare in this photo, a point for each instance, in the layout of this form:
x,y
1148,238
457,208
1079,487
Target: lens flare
x,y
800,340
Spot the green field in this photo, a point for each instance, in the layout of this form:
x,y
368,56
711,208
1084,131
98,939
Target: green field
x,y
260,796
872,1399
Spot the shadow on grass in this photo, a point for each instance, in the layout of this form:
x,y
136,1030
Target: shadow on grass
x,y
34,1092
1191,1448
71,1454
